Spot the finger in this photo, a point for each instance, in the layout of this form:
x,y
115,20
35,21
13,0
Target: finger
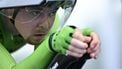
x,y
76,50
95,40
87,39
95,54
78,44
97,47
78,35
76,55
94,44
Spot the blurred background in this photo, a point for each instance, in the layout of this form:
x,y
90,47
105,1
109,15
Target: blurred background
x,y
105,17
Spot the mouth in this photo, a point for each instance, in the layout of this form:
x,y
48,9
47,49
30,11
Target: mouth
x,y
39,36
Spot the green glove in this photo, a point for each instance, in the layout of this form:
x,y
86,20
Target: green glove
x,y
86,31
60,40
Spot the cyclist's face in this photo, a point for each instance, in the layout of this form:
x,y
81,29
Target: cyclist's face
x,y
33,22
34,30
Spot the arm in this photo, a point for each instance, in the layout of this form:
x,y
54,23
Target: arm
x,y
38,60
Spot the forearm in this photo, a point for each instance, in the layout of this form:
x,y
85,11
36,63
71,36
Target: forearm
x,y
38,60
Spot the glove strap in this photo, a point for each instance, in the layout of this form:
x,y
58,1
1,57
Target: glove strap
x,y
50,42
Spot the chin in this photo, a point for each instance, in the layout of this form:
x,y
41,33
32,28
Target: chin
x,y
34,41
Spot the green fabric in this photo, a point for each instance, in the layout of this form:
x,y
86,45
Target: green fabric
x,y
62,39
6,60
86,31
